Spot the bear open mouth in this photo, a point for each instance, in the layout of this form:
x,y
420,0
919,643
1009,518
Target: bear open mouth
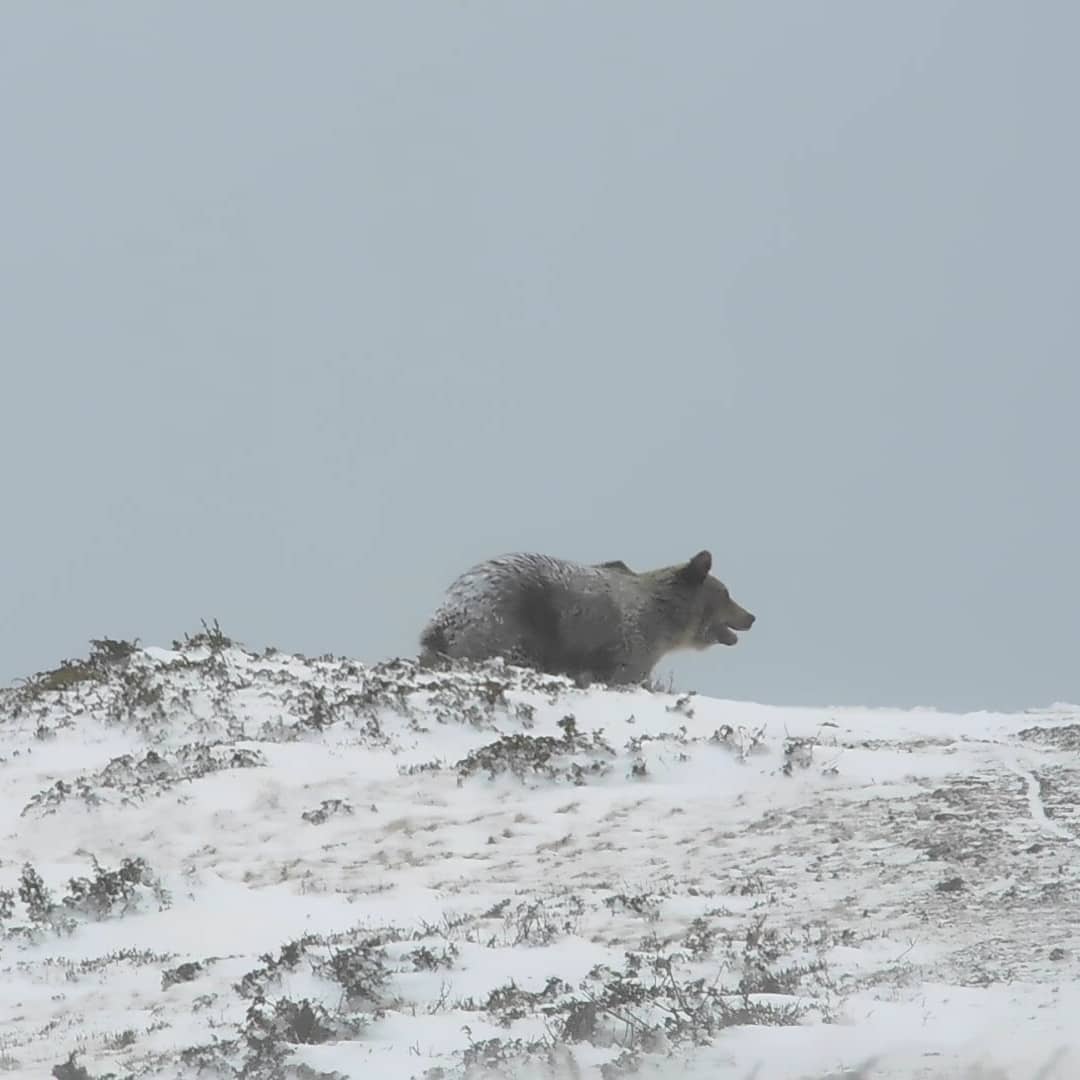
x,y
725,635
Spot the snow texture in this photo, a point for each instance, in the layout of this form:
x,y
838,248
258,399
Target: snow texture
x,y
222,863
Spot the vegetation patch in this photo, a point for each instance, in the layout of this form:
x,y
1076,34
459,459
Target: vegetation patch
x,y
182,973
1060,736
327,809
575,757
106,893
106,656
131,777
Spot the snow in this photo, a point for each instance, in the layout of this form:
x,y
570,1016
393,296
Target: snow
x,y
895,885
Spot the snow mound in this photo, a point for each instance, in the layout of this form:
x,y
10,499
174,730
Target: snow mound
x,y
217,862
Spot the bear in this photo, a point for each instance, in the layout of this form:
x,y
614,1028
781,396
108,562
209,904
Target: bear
x,y
592,622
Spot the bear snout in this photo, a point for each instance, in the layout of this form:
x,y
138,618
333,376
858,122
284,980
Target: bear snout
x,y
740,618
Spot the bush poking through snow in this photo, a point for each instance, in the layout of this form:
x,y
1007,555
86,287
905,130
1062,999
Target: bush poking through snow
x,y
360,970
34,893
181,973
502,1055
108,893
741,741
98,897
325,810
210,637
574,757
424,959
543,920
71,1070
648,1005
272,1028
508,1003
798,754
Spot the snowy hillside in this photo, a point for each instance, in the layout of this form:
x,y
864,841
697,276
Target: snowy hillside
x,y
222,863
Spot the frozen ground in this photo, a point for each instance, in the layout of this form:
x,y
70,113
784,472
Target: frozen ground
x,y
220,863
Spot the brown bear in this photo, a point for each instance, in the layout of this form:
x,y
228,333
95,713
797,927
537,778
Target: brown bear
x,y
593,622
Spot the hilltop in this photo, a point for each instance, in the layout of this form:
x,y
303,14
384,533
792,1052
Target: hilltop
x,y
223,862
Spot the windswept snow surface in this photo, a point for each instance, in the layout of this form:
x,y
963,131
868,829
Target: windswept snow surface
x,y
220,863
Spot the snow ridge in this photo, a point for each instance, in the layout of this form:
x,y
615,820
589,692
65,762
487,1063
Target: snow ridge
x,y
218,862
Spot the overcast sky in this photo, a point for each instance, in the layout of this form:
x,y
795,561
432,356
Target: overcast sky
x,y
307,307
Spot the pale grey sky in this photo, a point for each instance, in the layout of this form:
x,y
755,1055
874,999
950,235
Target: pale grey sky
x,y
307,307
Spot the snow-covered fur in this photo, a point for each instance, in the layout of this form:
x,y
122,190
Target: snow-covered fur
x,y
594,622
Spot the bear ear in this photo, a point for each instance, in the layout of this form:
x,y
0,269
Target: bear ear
x,y
697,569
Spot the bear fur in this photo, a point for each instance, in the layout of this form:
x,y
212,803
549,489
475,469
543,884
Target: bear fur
x,y
597,622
